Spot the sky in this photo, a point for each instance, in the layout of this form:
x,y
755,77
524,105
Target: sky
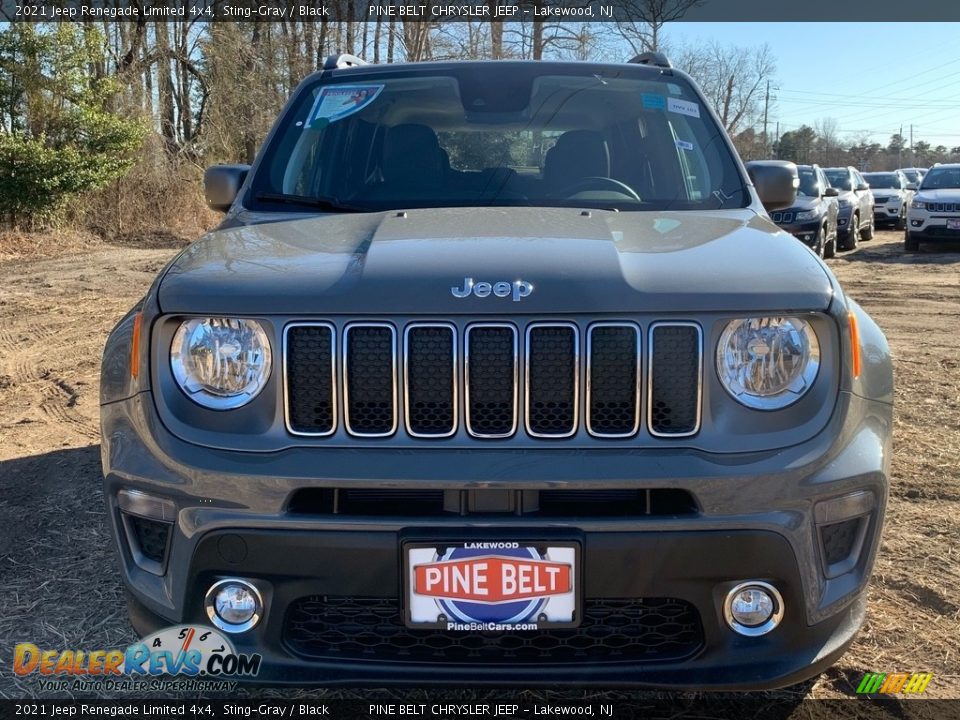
x,y
869,77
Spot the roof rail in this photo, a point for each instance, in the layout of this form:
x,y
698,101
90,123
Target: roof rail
x,y
652,58
342,61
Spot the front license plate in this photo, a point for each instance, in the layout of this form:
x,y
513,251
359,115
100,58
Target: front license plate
x,y
953,224
491,586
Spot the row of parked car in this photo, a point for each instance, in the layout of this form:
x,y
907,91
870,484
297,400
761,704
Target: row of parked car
x,y
840,206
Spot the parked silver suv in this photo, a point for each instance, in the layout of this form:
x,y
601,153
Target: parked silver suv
x,y
855,221
498,373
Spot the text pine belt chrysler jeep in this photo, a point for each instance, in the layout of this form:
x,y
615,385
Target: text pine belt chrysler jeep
x,y
499,373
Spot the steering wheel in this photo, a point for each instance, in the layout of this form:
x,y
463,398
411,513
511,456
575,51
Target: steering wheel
x,y
598,183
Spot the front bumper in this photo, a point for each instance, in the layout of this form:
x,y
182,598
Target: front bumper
x,y
887,213
929,226
756,518
805,232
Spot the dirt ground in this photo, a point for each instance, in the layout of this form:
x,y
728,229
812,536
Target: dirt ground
x,y
58,583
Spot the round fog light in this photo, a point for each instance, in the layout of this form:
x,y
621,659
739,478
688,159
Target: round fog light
x,y
233,606
753,608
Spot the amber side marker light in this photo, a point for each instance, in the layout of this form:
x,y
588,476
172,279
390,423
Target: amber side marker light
x,y
854,344
135,346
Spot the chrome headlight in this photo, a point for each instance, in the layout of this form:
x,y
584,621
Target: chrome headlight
x,y
220,363
768,363
918,204
806,215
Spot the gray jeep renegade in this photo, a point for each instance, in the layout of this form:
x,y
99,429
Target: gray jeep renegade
x,y
499,373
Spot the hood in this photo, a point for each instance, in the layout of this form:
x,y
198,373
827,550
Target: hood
x,y
576,261
802,203
941,195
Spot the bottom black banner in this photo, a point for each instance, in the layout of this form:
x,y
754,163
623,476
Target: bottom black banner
x,y
656,708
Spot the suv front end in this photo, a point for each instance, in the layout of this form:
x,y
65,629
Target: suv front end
x,y
398,444
934,213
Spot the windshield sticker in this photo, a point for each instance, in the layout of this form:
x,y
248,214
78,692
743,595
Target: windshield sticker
x,y
684,145
674,89
683,107
336,102
654,102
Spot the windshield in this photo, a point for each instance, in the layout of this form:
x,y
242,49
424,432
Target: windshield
x,y
499,134
883,180
840,179
940,178
911,175
808,181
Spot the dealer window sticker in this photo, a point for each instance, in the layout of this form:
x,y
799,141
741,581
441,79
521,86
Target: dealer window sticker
x,y
684,145
652,101
683,107
336,102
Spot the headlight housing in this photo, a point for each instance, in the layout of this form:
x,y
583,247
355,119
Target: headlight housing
x,y
768,363
806,215
919,204
221,363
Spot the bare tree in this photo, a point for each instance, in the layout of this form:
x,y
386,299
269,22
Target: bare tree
x,y
732,78
644,19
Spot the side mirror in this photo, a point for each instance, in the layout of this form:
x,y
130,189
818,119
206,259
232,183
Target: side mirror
x,y
831,192
861,187
912,186
222,183
776,182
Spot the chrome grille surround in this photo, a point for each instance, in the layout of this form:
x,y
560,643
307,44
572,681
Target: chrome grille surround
x,y
466,375
505,399
286,379
345,351
576,379
651,331
406,378
588,406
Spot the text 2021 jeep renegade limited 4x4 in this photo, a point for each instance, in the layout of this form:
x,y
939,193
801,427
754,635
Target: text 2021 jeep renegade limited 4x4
x,y
499,373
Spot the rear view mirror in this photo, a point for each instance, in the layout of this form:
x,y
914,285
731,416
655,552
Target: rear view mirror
x,y
776,182
222,183
862,186
831,192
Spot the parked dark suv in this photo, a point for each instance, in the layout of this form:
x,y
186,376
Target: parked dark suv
x,y
855,221
813,218
498,373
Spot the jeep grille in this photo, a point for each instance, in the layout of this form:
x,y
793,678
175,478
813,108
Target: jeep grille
x,y
439,378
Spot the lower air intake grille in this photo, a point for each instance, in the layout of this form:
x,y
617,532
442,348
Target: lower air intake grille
x,y
839,540
352,628
552,353
151,537
674,400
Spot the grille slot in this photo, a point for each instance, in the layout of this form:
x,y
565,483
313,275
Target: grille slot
x,y
552,379
613,630
674,377
430,366
491,377
310,388
370,392
613,370
150,538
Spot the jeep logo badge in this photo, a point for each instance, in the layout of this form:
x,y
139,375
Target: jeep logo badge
x,y
518,289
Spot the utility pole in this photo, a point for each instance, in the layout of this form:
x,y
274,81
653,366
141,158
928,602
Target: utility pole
x,y
900,149
766,107
912,160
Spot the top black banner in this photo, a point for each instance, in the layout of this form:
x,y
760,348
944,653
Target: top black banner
x,y
552,11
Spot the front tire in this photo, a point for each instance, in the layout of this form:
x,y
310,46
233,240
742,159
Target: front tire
x,y
850,239
902,218
830,247
867,233
910,242
820,241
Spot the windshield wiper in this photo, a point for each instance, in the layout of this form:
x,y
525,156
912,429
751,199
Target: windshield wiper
x,y
320,203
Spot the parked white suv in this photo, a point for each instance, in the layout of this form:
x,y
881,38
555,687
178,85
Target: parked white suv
x,y
934,213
